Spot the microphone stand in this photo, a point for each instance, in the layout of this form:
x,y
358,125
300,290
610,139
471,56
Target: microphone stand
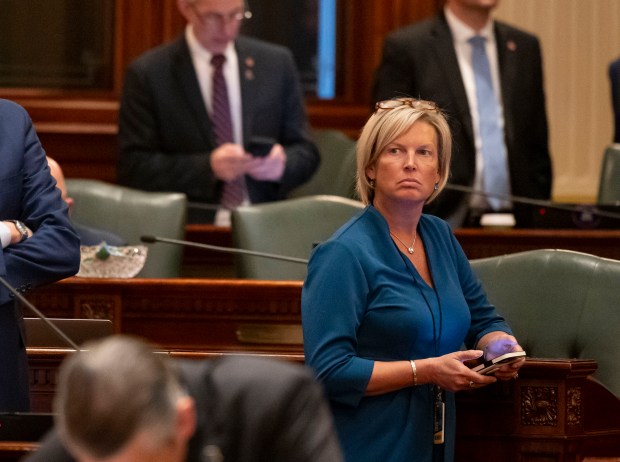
x,y
45,319
154,239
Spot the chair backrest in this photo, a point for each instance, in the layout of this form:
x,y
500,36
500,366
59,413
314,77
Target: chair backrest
x,y
132,213
336,173
609,183
291,228
560,304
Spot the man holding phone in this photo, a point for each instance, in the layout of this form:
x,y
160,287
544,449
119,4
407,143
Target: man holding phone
x,y
190,109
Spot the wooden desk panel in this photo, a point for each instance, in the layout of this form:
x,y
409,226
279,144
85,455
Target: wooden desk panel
x,y
14,451
477,243
186,314
553,412
481,243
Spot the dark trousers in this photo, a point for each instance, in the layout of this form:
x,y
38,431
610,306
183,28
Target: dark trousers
x,y
14,384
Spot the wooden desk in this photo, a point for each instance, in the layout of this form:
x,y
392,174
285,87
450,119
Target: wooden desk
x,y
188,314
477,243
14,451
481,243
553,412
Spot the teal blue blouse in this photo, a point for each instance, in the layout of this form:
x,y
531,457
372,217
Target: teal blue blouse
x,y
363,301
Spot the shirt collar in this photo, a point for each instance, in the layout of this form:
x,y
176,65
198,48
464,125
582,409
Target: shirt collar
x,y
461,32
200,52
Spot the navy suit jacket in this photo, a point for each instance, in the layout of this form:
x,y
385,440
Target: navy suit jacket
x,y
27,193
165,133
420,61
614,77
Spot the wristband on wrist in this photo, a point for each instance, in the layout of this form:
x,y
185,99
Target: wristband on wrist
x,y
414,371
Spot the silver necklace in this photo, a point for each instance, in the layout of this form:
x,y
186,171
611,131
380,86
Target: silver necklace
x,y
410,249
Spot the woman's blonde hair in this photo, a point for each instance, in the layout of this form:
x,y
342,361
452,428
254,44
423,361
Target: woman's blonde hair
x,y
390,120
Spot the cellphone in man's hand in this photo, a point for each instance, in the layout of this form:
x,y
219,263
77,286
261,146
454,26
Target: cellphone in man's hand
x,y
260,146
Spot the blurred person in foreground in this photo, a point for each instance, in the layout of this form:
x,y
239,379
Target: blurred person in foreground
x,y
119,401
191,108
390,299
39,245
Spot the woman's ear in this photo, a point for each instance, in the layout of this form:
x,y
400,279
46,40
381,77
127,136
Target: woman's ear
x,y
370,172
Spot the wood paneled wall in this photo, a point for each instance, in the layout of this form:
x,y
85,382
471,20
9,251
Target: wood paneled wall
x,y
579,39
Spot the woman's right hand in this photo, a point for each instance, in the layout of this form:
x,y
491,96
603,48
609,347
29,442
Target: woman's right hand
x,y
449,372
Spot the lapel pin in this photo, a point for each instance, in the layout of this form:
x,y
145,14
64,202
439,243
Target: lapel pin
x,y
512,46
249,64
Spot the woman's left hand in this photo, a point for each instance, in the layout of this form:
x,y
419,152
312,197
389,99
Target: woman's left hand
x,y
496,344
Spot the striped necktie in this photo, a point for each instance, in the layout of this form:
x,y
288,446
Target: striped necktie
x,y
233,191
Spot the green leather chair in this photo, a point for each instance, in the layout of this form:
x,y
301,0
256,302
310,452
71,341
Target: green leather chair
x,y
336,174
609,183
132,213
290,228
560,304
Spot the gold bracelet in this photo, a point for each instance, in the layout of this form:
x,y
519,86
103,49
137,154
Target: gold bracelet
x,y
414,370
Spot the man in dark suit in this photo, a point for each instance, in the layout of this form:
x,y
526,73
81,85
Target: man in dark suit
x,y
433,60
118,401
39,245
166,134
614,77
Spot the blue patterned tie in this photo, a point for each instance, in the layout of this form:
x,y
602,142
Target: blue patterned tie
x,y
495,174
233,191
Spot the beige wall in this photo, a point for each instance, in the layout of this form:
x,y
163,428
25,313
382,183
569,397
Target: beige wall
x,y
579,39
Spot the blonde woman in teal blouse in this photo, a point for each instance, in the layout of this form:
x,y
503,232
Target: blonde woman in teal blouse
x,y
390,299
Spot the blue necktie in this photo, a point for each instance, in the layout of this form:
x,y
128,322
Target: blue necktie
x,y
233,191
495,173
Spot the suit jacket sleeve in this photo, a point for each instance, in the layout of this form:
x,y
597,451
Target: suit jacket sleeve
x,y
393,78
28,193
162,146
302,158
51,449
273,106
260,409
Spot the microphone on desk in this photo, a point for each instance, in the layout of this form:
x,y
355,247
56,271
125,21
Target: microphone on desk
x,y
38,313
581,209
216,248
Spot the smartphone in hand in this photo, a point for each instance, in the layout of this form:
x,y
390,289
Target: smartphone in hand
x,y
260,146
488,366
